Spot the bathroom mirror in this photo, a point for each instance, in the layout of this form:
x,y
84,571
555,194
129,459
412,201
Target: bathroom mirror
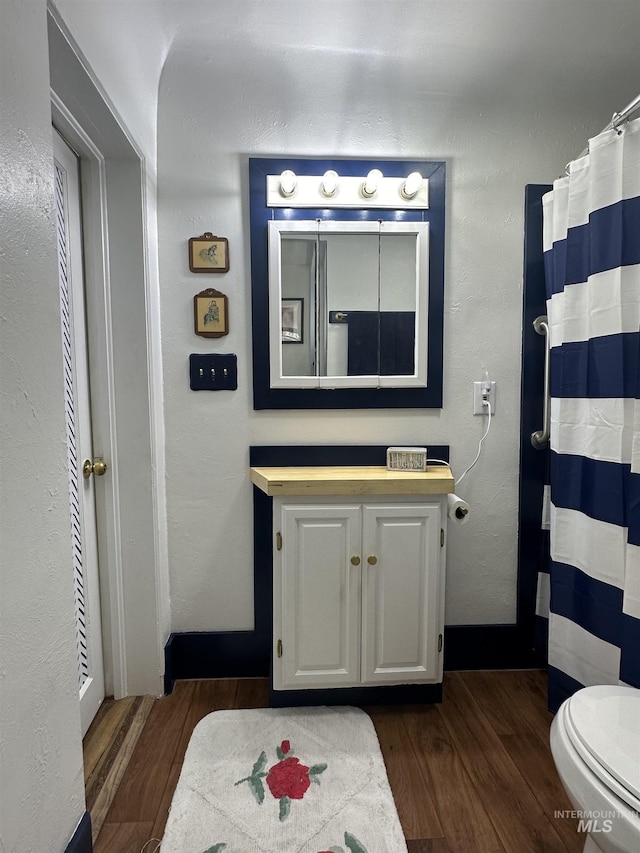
x,y
347,304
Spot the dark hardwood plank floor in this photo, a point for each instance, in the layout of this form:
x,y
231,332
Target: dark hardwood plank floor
x,y
472,775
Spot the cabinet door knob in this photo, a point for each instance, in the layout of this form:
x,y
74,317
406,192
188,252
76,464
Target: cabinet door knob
x,y
372,560
355,561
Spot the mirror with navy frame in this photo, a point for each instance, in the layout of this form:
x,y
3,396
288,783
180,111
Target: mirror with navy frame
x,y
347,299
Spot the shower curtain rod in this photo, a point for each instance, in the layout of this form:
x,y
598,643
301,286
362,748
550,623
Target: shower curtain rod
x,y
624,114
616,119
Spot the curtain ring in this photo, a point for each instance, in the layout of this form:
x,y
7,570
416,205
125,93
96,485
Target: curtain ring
x,y
616,121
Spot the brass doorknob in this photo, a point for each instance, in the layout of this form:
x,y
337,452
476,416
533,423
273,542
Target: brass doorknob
x,y
372,560
355,561
99,468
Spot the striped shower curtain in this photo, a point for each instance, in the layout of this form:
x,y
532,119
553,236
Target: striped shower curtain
x,y
592,267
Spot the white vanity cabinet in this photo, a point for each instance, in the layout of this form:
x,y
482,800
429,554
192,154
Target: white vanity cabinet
x,y
358,578
357,593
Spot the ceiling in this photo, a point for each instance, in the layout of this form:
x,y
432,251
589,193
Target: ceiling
x,y
411,56
445,46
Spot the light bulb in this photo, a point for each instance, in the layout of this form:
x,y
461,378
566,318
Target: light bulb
x,y
288,183
370,186
329,183
411,186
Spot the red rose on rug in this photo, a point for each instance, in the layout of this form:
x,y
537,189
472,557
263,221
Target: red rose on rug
x,y
288,778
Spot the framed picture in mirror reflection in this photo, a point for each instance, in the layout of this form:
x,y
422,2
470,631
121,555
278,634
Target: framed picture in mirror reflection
x,y
292,321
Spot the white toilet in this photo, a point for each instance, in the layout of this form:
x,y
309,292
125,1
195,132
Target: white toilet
x,y
595,742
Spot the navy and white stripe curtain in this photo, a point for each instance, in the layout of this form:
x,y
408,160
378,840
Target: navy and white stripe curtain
x,y
592,265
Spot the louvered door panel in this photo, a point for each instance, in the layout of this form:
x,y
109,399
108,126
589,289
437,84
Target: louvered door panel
x,y
84,554
73,462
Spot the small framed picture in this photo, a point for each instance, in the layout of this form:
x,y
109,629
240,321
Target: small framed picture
x,y
292,320
211,314
208,253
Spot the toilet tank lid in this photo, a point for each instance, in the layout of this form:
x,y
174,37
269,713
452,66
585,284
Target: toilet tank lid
x,y
606,718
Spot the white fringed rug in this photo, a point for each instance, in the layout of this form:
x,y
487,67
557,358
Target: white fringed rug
x,y
284,780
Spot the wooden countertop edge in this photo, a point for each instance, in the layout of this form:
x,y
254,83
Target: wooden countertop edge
x,y
351,480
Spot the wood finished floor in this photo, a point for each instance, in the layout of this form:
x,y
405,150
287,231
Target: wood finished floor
x,y
472,775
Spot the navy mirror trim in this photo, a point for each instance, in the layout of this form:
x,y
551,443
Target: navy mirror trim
x,y
265,397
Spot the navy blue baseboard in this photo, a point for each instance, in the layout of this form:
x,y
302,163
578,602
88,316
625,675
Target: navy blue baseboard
x,y
81,840
489,647
216,654
242,654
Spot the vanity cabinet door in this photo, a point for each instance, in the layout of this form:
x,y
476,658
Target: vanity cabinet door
x,y
317,595
401,593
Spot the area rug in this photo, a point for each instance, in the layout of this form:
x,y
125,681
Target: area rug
x,y
284,780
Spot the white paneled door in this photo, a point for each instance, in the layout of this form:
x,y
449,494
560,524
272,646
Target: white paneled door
x,y
317,596
82,467
400,592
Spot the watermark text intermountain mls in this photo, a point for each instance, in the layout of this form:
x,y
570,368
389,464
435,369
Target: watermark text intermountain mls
x,y
595,820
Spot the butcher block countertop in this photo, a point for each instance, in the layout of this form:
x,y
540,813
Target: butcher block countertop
x,y
352,480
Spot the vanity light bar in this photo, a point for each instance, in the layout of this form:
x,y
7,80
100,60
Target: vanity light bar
x,y
334,191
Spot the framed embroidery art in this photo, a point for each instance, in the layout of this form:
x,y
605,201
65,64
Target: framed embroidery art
x,y
208,253
211,314
292,321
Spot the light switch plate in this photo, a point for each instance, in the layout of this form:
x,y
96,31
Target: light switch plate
x,y
213,371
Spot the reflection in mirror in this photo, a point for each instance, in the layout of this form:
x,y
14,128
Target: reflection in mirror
x,y
371,303
298,273
360,290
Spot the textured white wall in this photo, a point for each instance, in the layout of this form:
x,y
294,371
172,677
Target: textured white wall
x,y
125,44
41,776
284,84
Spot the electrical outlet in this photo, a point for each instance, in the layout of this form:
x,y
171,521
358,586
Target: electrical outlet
x,y
478,408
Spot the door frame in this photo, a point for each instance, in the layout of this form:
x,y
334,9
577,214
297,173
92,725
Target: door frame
x,y
122,326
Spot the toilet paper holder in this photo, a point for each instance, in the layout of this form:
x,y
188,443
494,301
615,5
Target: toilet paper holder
x,y
457,509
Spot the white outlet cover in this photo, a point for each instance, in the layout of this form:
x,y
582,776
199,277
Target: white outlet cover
x,y
478,408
